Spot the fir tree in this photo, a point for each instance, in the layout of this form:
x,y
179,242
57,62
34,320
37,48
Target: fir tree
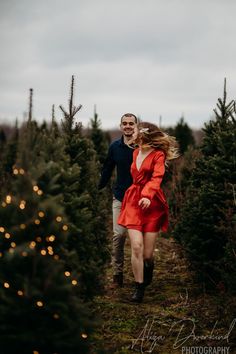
x,y
205,227
83,203
40,310
98,138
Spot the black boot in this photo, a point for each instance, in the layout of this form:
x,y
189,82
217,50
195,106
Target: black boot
x,y
138,293
117,281
148,267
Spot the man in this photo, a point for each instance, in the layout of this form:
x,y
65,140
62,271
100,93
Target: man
x,y
120,156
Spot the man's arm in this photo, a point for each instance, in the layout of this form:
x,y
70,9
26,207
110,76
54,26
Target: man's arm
x,y
107,169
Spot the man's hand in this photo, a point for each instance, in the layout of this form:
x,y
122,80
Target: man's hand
x,y
144,203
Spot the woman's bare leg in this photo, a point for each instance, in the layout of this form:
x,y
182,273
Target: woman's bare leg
x,y
136,241
149,241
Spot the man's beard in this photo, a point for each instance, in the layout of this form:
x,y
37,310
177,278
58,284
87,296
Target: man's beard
x,y
128,135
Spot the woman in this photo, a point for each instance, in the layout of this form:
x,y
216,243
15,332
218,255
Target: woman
x,y
144,210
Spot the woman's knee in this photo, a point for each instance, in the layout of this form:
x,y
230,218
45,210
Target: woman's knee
x,y
137,249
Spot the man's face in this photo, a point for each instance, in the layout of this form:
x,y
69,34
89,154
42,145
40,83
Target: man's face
x,y
127,126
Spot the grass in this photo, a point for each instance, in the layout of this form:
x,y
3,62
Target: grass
x,y
173,301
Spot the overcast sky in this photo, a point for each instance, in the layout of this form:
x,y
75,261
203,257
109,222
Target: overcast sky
x,y
153,58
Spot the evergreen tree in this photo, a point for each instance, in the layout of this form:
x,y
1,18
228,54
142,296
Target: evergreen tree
x,y
40,309
205,227
183,135
98,137
84,205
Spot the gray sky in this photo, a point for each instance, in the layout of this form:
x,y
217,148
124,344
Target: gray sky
x,y
151,58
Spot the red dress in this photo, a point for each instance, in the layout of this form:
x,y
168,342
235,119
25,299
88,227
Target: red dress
x,y
146,183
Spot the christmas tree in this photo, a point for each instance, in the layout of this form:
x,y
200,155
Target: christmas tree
x,y
206,223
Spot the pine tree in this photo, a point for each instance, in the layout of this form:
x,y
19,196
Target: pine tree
x,y
84,205
205,227
40,309
98,137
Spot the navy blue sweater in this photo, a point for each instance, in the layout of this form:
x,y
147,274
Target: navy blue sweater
x,y
120,156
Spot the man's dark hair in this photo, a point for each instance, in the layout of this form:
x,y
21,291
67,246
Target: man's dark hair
x,y
129,115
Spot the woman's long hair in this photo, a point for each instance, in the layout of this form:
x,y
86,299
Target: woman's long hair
x,y
149,134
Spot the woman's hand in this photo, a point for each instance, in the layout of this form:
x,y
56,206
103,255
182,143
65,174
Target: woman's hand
x,y
144,203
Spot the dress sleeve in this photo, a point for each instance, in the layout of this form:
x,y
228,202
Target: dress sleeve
x,y
154,184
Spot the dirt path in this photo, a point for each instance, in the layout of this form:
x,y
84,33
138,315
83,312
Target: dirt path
x,y
174,316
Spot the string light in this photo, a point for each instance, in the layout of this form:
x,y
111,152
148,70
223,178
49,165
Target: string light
x,y
15,171
22,171
39,192
56,257
13,244
22,226
64,227
35,188
43,252
20,293
4,204
58,218
2,229
7,235
38,239
37,221
6,285
0,254
32,244
8,199
67,274
51,238
56,316
41,214
39,303
74,282
84,335
35,352
22,204
11,250
24,254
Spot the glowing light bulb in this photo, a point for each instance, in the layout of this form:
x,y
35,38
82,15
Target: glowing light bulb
x,y
8,199
74,282
13,244
15,171
56,257
38,239
37,221
39,192
2,229
58,218
22,171
24,254
64,227
67,274
51,238
7,235
4,204
22,206
6,285
20,293
22,226
35,188
41,214
84,335
39,303
56,316
32,244
43,252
